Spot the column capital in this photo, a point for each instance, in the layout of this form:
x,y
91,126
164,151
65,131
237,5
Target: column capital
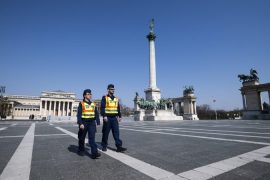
x,y
151,36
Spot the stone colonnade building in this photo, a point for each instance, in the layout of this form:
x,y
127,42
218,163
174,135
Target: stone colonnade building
x,y
50,105
185,106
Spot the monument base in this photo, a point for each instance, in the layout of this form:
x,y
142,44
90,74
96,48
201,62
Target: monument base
x,y
253,115
160,115
190,117
152,94
250,83
248,115
138,115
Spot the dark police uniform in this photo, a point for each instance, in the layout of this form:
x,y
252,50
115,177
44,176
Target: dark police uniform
x,y
88,116
111,109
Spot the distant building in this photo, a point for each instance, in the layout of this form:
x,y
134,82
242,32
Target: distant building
x,y
50,105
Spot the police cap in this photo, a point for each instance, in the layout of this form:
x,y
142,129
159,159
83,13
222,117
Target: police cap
x,y
110,86
87,91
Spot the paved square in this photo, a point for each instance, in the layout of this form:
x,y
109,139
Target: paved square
x,y
235,149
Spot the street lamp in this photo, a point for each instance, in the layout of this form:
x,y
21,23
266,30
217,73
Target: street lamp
x,y
215,108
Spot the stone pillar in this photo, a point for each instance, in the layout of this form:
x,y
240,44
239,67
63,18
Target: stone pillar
x,y
45,108
40,108
152,63
71,110
65,109
152,93
59,104
190,107
260,101
50,107
195,107
54,106
179,108
244,102
68,108
62,109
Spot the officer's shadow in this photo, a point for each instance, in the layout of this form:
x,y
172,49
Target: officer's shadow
x,y
74,149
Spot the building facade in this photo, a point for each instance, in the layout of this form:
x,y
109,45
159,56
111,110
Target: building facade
x,y
48,106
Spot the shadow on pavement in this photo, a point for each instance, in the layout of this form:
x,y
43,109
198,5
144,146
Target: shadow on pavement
x,y
108,147
74,149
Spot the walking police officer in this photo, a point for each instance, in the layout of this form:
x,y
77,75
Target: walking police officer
x,y
87,118
110,110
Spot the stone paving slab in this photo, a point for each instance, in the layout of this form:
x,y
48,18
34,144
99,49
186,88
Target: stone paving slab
x,y
7,149
253,170
15,130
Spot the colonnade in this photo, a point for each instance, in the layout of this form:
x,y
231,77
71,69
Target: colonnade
x,y
56,108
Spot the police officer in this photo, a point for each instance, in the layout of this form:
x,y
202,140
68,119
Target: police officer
x,y
87,118
110,110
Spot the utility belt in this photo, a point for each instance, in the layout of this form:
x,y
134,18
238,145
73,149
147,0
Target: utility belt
x,y
88,120
111,115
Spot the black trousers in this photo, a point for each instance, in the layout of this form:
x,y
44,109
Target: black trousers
x,y
91,129
111,124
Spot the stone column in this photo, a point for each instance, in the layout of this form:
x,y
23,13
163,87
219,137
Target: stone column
x,y
65,108
195,107
59,104
61,108
68,108
179,108
244,102
54,106
45,108
50,107
190,107
152,63
71,109
260,101
40,108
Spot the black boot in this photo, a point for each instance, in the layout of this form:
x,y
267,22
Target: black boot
x,y
104,149
95,156
120,149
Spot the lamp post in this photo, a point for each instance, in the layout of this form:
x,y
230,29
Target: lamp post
x,y
215,108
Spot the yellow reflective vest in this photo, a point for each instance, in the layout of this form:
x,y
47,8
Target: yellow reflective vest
x,y
111,107
88,110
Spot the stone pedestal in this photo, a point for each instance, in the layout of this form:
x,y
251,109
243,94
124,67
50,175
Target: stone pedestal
x,y
152,94
139,115
250,83
190,117
164,115
248,115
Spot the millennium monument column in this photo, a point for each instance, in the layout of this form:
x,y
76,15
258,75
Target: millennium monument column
x,y
152,93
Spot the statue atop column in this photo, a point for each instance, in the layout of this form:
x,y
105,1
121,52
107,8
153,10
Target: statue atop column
x,y
247,78
151,25
151,36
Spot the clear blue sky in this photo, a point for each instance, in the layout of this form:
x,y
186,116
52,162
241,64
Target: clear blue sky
x,y
72,45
